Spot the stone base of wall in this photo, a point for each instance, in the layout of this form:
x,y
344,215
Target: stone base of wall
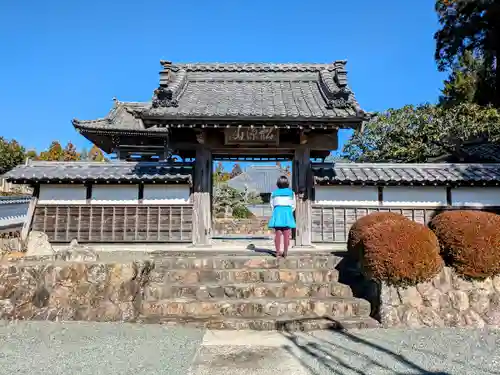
x,y
253,226
446,301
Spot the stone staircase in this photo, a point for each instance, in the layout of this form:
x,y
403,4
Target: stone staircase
x,y
248,290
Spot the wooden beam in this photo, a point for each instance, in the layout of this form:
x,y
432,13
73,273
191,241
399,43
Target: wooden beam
x,y
31,213
317,142
303,184
140,195
323,141
88,193
449,200
380,195
202,218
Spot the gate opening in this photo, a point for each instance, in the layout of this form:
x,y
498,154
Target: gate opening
x,y
241,193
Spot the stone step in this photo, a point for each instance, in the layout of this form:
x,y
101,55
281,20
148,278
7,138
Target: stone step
x,y
229,261
283,323
158,291
335,307
251,275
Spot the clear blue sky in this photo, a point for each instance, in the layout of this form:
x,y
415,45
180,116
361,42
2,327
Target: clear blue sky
x,y
67,59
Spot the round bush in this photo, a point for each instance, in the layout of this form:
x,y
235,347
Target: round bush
x,y
241,212
400,252
470,242
354,244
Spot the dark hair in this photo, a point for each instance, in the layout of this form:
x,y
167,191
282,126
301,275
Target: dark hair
x,y
282,182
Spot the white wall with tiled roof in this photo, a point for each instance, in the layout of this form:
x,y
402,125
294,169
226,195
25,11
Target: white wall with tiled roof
x,y
480,196
346,195
402,196
62,194
114,194
170,194
406,196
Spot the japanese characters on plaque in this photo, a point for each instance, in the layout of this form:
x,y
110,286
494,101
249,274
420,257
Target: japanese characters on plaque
x,y
234,136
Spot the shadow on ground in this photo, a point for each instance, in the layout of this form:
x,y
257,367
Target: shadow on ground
x,y
341,352
261,250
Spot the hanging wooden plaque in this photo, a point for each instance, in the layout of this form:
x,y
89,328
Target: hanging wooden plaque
x,y
251,136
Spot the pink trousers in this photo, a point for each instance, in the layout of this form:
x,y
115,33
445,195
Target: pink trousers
x,y
286,234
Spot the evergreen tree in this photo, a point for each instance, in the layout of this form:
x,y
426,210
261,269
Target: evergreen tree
x,y
11,154
471,27
466,83
417,134
32,154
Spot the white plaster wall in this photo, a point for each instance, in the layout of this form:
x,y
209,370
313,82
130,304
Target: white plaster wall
x,y
62,193
414,196
346,195
115,194
478,196
171,194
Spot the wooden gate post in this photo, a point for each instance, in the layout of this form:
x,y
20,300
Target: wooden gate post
x,y
202,220
303,190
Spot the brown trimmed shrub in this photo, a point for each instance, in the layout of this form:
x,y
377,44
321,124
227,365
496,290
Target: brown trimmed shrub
x,y
354,244
400,252
470,242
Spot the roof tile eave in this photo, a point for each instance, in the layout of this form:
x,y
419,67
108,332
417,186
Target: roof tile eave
x,y
440,174
249,117
108,119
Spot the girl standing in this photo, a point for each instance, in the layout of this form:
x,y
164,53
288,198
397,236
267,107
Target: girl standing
x,y
282,220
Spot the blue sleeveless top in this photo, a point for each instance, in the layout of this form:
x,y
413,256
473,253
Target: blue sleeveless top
x,y
283,204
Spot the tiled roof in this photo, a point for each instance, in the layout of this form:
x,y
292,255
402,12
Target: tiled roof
x,y
94,171
476,151
13,211
15,200
120,117
258,92
486,152
260,99
261,179
405,174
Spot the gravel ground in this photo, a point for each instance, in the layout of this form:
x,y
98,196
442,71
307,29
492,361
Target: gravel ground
x,y
117,348
41,348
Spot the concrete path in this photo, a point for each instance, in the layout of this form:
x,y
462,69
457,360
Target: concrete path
x,y
100,348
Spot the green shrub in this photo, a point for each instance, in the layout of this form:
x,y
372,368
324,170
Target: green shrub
x,y
242,212
470,242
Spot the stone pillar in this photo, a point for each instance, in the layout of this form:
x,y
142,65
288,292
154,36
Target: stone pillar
x,y
31,213
202,184
303,190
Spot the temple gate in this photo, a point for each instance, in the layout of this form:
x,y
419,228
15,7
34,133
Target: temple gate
x,y
199,112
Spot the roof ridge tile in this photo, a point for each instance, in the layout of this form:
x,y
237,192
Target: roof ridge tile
x,y
254,67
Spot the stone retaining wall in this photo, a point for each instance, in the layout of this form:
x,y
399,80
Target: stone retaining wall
x,y
71,291
446,301
253,226
177,289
